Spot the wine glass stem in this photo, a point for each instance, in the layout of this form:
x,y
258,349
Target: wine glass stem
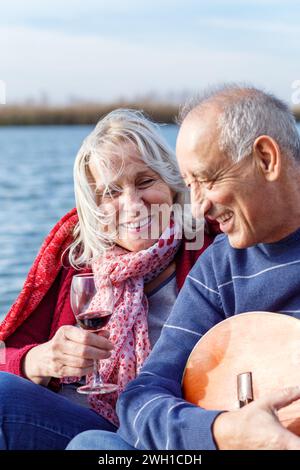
x,y
97,379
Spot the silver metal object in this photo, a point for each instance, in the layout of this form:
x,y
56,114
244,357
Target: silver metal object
x,y
244,388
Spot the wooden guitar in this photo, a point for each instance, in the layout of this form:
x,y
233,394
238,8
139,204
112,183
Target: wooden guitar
x,y
243,358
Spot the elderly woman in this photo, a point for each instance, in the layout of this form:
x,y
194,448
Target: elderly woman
x,y
126,225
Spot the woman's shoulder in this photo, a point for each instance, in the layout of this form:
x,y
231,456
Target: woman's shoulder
x,y
192,248
189,252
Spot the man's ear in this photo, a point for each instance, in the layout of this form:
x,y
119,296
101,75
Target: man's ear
x,y
267,155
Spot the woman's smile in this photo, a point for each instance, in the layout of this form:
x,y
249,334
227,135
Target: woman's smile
x,y
137,226
141,206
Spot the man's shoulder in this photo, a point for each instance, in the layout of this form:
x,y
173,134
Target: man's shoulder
x,y
214,257
219,247
221,239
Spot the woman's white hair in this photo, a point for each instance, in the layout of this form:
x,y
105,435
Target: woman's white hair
x,y
104,147
247,113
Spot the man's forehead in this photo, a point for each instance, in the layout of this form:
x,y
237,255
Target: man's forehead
x,y
197,130
203,170
197,147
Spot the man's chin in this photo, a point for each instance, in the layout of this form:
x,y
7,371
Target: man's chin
x,y
238,242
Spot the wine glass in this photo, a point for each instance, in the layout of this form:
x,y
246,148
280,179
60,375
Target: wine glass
x,y
83,291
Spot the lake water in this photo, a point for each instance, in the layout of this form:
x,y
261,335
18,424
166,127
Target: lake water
x,y
36,189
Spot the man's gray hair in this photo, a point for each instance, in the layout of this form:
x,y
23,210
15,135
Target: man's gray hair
x,y
246,113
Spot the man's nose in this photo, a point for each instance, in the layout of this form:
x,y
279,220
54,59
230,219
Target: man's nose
x,y
200,203
199,209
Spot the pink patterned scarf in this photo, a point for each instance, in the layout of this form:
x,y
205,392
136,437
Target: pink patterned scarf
x,y
128,325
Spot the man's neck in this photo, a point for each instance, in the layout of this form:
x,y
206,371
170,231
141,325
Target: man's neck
x,y
286,215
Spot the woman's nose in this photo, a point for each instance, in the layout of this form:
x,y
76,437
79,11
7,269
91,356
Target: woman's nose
x,y
131,200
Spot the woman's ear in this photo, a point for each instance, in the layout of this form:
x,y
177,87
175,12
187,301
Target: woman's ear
x,y
268,157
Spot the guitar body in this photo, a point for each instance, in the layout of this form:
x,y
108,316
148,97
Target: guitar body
x,y
263,343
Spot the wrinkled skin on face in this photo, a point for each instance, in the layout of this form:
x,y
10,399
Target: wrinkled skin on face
x,y
138,197
255,200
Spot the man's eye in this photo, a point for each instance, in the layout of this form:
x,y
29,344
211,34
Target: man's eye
x,y
207,183
210,184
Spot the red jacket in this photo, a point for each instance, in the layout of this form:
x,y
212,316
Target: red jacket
x,y
43,305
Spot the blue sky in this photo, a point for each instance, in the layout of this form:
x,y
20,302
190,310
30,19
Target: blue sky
x,y
104,50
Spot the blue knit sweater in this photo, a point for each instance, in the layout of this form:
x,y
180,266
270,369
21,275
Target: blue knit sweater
x,y
224,282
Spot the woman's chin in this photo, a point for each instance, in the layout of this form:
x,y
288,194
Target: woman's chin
x,y
136,245
139,240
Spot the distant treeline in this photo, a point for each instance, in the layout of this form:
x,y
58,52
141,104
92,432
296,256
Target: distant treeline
x,y
28,115
297,113
79,113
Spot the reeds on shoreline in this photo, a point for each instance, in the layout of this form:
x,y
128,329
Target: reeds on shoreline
x,y
296,112
17,115
28,115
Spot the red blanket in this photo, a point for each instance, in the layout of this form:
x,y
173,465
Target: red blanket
x,y
41,275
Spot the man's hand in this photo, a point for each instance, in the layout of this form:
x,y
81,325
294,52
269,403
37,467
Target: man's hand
x,y
256,426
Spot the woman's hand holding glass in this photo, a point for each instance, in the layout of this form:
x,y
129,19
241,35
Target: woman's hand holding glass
x,y
93,318
71,352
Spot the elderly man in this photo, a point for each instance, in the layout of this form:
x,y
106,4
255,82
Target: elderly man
x,y
239,152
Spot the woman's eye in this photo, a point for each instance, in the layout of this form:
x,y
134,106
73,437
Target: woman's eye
x,y
146,182
110,193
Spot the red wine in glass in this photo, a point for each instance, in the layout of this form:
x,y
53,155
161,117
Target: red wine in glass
x,y
83,291
94,321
